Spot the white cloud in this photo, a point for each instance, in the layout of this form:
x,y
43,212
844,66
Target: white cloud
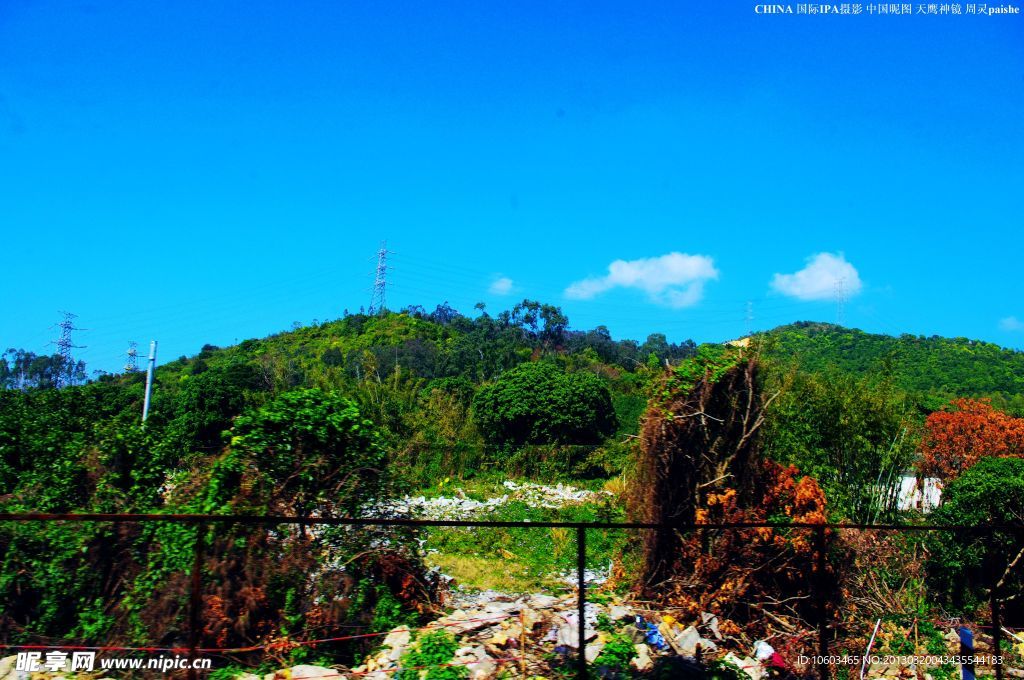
x,y
501,286
1011,323
820,279
675,280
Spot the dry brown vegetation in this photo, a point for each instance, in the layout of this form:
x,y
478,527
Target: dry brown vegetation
x,y
701,463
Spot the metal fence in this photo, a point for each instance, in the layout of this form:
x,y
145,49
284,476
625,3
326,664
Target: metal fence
x,y
202,522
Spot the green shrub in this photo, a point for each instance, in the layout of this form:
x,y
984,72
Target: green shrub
x,y
388,612
306,449
616,654
962,563
721,669
431,652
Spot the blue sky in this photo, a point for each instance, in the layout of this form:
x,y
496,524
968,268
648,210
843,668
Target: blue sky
x,y
206,172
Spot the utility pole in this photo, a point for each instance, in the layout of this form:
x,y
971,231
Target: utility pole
x,y
132,365
377,301
149,380
64,347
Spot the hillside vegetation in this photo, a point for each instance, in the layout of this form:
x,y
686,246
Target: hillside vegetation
x,y
327,419
934,368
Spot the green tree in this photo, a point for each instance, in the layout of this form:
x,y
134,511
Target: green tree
x,y
855,435
206,403
656,344
962,564
304,450
21,369
536,403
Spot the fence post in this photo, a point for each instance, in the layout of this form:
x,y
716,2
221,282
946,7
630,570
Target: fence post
x,y
819,591
195,600
993,599
581,601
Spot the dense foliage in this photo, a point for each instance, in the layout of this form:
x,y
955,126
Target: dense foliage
x,y
965,564
537,403
855,435
303,450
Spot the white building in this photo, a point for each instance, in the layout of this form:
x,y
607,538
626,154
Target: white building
x,y
923,495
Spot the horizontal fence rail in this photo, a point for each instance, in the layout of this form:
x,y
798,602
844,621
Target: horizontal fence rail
x,y
404,521
201,521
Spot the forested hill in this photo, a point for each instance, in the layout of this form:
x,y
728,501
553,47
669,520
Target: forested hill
x,y
444,343
934,367
429,345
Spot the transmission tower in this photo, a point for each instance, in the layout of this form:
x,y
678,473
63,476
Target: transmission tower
x,y
377,300
64,347
840,296
749,318
132,365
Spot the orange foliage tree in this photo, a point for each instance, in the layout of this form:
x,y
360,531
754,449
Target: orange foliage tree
x,y
955,439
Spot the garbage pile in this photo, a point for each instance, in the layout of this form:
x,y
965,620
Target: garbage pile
x,y
494,635
535,635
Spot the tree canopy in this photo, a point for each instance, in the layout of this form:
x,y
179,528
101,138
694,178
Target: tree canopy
x,y
958,437
933,369
537,403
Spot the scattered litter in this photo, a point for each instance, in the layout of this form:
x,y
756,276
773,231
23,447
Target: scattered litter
x,y
652,635
763,651
711,621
